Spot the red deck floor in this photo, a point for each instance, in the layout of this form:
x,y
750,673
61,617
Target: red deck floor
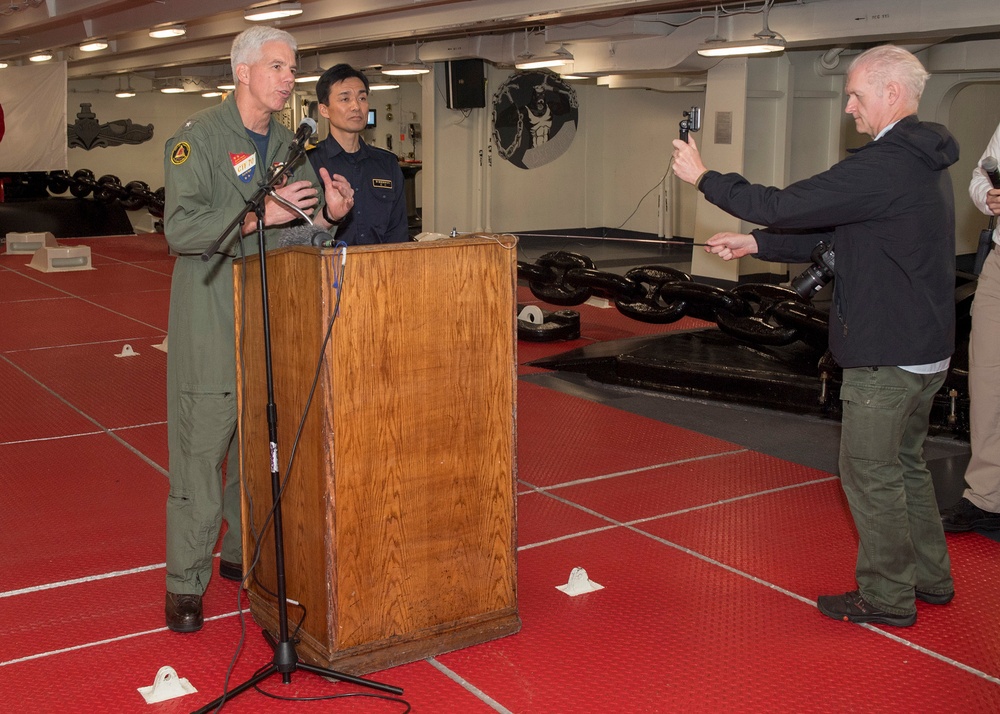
x,y
711,556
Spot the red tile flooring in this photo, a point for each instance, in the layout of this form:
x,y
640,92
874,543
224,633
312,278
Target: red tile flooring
x,y
711,555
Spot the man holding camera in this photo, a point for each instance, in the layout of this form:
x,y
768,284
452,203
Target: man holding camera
x,y
888,213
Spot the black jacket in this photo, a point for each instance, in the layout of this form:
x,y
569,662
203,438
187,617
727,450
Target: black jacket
x,y
888,211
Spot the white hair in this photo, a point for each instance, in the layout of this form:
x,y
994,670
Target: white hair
x,y
888,63
249,44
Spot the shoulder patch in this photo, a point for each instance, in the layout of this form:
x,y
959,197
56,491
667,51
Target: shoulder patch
x,y
180,153
382,183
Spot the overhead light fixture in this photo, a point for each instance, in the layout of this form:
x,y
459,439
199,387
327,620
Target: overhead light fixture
x,y
226,85
126,92
272,11
43,56
209,94
3,65
170,85
406,69
763,42
94,45
573,76
559,58
381,85
311,75
162,32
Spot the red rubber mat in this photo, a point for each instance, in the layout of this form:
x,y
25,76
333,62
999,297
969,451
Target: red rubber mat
x,y
107,277
77,506
671,632
150,440
129,248
65,321
711,556
581,439
813,553
150,306
16,287
29,410
694,483
116,391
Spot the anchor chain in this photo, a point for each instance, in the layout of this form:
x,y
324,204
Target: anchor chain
x,y
753,312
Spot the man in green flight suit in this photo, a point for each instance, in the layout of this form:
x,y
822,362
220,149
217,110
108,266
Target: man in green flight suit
x,y
213,165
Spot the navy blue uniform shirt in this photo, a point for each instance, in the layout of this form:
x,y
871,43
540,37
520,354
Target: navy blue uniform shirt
x,y
379,212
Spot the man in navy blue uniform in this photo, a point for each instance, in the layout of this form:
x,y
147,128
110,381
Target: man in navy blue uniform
x,y
379,213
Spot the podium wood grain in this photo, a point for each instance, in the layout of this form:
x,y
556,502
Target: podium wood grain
x,y
399,508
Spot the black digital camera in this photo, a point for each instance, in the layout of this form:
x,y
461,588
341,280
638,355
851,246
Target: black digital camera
x,y
817,275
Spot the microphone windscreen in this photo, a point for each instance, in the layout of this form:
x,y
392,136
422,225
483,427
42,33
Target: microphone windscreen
x,y
309,122
989,166
297,235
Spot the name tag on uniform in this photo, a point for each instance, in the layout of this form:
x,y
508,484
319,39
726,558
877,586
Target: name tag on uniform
x,y
382,183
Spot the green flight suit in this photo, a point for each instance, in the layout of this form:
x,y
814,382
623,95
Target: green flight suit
x,y
211,169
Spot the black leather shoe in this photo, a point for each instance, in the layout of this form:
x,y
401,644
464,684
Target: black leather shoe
x,y
851,607
934,598
184,612
967,516
231,571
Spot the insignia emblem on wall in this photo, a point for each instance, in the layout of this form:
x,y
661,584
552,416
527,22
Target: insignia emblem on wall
x,y
87,133
535,115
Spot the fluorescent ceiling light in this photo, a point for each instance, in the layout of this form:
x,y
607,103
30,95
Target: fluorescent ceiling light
x,y
227,86
308,77
762,42
125,93
43,56
379,86
272,11
210,94
756,46
559,58
162,32
94,45
405,70
3,65
573,76
169,85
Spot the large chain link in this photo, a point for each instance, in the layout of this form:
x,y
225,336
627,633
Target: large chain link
x,y
754,312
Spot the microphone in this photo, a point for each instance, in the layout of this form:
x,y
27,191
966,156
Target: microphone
x,y
307,127
989,167
305,235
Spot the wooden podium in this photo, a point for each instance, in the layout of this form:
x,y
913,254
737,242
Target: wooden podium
x,y
399,509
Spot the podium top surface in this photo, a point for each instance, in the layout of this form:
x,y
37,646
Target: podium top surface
x,y
504,240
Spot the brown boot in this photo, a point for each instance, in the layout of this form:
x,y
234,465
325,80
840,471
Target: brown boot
x,y
183,612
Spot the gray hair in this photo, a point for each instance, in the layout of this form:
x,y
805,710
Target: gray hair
x,y
887,63
249,44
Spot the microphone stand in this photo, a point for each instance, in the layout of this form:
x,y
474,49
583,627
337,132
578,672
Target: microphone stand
x,y
285,660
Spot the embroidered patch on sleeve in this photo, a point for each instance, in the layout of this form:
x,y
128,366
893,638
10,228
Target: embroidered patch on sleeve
x,y
382,183
180,153
244,165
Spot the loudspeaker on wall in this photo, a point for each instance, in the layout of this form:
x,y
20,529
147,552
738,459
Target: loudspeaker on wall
x,y
466,82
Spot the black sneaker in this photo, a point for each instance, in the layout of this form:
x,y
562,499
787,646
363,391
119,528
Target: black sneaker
x,y
851,607
934,598
967,516
231,571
